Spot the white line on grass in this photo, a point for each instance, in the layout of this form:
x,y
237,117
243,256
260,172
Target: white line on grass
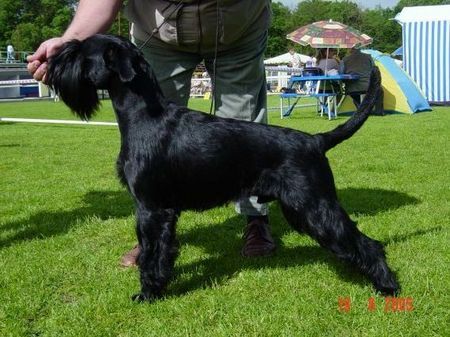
x,y
54,121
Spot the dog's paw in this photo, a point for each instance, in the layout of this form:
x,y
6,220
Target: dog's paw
x,y
141,298
388,289
145,297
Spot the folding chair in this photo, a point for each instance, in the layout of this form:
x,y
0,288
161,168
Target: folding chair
x,y
328,104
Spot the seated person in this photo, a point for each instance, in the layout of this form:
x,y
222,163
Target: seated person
x,y
361,64
327,61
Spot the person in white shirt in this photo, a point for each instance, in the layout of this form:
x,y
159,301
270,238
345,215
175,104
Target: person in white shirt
x,y
9,54
327,61
295,61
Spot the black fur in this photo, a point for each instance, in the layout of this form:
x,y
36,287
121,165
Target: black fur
x,y
173,159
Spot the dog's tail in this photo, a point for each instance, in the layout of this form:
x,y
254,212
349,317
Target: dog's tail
x,y
344,131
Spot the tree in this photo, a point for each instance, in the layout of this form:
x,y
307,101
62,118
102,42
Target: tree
x,y
281,23
23,36
410,3
317,10
9,18
27,23
120,26
386,33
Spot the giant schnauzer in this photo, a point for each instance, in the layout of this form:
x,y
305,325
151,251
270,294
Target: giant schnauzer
x,y
173,159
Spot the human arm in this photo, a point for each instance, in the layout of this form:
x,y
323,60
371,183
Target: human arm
x,y
91,17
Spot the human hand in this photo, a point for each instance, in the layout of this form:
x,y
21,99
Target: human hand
x,y
37,62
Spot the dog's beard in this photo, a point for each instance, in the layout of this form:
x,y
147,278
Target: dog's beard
x,y
65,76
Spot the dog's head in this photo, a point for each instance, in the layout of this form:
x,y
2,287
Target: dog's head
x,y
79,68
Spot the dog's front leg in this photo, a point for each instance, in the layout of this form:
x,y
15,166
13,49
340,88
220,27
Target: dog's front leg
x,y
159,249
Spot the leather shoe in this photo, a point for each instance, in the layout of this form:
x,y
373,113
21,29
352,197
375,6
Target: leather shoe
x,y
130,258
258,240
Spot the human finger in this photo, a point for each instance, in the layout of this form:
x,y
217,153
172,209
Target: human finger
x,y
33,66
40,72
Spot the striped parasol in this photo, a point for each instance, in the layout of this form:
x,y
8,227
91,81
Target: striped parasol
x,y
329,34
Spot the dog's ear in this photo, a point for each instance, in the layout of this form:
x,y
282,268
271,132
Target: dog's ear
x,y
120,61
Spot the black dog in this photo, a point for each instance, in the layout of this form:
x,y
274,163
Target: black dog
x,y
173,159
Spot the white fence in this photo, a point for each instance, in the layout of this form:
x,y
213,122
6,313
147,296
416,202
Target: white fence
x,y
20,88
277,78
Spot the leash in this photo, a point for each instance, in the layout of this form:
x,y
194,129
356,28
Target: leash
x,y
212,110
156,30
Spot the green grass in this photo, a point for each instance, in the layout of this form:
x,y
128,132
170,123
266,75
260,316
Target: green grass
x,y
65,222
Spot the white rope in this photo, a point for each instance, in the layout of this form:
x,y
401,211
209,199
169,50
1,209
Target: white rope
x,y
54,121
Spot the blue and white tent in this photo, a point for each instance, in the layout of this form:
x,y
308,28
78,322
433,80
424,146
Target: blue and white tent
x,y
401,94
426,49
397,52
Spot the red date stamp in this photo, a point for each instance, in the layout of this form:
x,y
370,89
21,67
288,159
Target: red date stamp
x,y
344,304
398,304
391,304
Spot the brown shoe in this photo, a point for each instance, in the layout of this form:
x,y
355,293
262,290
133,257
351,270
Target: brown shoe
x,y
130,258
258,240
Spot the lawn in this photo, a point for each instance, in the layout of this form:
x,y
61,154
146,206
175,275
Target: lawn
x,y
65,221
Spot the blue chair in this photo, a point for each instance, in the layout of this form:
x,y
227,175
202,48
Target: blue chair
x,y
311,87
323,92
306,88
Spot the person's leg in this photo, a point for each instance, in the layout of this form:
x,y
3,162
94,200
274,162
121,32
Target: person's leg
x,y
173,69
240,81
356,97
379,105
240,93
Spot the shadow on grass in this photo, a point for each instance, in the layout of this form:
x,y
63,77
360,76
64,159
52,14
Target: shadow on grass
x,y
117,204
101,204
222,243
10,145
373,201
221,240
407,236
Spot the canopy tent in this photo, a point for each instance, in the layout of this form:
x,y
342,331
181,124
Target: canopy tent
x,y
286,59
398,52
401,94
426,49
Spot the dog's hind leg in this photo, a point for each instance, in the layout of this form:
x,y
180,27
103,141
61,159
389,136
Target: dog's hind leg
x,y
329,224
159,249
